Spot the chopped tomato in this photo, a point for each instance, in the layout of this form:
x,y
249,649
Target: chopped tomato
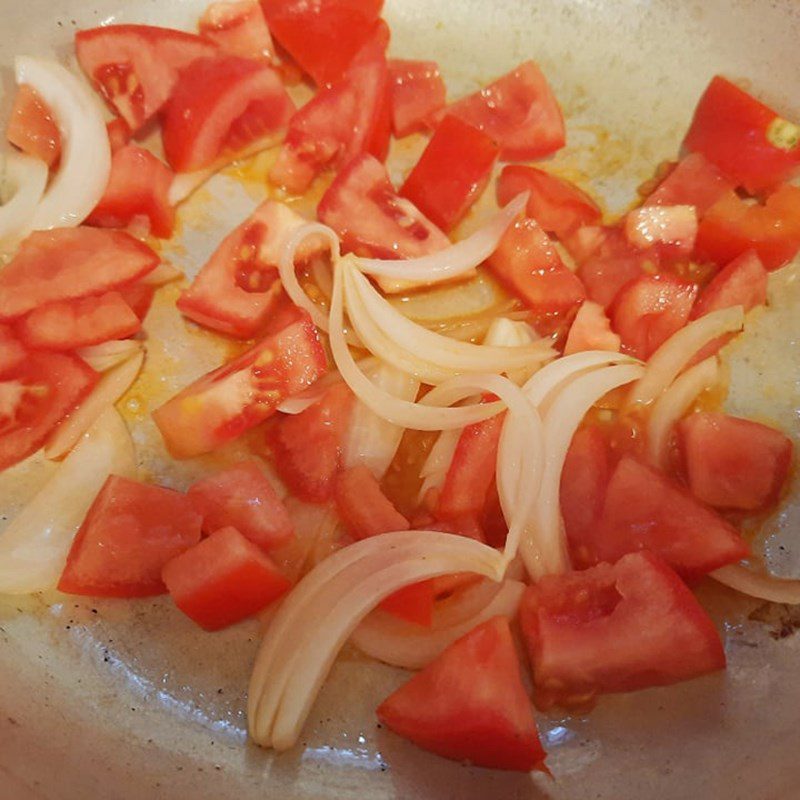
x,y
242,393
67,263
68,324
671,229
12,351
322,36
452,172
35,395
734,463
527,263
746,139
470,704
238,27
339,122
418,95
138,186
223,579
649,310
492,525
371,219
591,330
242,497
135,67
733,226
131,531
220,106
743,282
694,181
559,206
237,290
306,448
138,297
644,510
31,127
615,628
519,111
119,133
363,507
412,603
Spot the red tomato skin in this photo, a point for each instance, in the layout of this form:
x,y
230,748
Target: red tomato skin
x,y
135,67
694,181
130,532
560,207
31,127
584,631
223,580
734,463
452,172
469,704
12,351
237,28
363,507
527,263
242,497
68,263
242,393
138,186
57,384
138,297
412,603
730,128
518,111
418,95
119,134
591,330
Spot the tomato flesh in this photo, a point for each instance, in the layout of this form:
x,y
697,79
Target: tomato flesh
x,y
671,229
412,603
12,351
591,330
238,28
31,127
363,507
119,134
417,94
694,181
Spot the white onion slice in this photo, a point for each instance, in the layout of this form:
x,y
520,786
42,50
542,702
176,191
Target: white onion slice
x,y
85,163
34,546
673,404
23,180
759,584
458,259
673,356
164,273
434,470
102,357
111,386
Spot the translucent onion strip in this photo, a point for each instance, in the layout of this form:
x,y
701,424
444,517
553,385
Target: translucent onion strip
x,y
101,357
23,181
434,470
672,357
85,162
164,273
674,403
759,584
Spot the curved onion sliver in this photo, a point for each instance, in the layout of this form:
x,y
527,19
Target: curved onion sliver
x,y
85,152
26,179
102,357
34,546
434,470
759,584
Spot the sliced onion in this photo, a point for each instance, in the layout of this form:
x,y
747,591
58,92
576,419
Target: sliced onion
x,y
402,644
672,357
111,386
102,357
298,403
436,465
458,259
674,403
24,179
162,274
85,163
34,547
759,584
513,333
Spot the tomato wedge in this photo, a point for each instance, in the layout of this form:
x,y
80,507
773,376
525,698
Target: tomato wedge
x,y
470,704
363,507
238,28
223,580
743,282
138,187
519,111
418,95
615,628
12,351
238,395
67,263
694,181
219,106
31,127
131,531
135,67
591,330
670,229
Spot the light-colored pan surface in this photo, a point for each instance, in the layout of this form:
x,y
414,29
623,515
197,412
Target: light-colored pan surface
x,y
127,701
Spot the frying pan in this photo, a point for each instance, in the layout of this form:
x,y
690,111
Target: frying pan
x,y
127,701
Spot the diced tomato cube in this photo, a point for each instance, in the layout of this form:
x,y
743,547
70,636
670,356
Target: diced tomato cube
x,y
671,229
417,94
615,629
591,330
238,28
31,127
695,181
363,507
223,579
743,282
131,531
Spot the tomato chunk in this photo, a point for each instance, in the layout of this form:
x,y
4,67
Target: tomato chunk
x,y
31,127
135,67
220,106
242,497
363,507
559,206
412,603
223,580
417,95
238,395
138,297
131,531
615,628
694,181
119,133
469,704
35,395
519,111
734,463
746,139
239,28
67,263
672,229
12,351
591,330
